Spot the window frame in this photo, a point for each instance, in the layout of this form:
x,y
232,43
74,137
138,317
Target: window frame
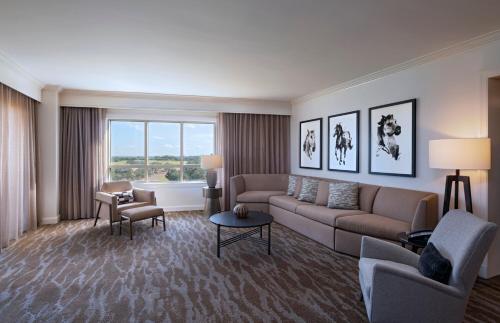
x,y
146,148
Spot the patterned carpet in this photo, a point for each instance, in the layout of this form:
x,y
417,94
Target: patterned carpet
x,y
75,272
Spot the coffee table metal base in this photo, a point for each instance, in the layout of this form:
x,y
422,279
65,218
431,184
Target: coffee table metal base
x,y
248,235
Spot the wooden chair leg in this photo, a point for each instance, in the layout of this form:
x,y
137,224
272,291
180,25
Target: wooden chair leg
x,y
110,220
121,220
152,222
164,225
97,215
130,229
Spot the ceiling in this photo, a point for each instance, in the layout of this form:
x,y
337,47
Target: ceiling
x,y
266,49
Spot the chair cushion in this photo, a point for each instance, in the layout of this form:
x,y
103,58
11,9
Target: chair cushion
x,y
123,207
323,214
257,196
286,202
141,213
433,265
366,266
373,225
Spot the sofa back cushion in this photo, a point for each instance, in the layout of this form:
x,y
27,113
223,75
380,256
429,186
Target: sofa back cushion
x,y
266,182
367,193
397,203
324,191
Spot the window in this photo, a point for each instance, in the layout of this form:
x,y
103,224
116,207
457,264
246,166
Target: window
x,y
159,151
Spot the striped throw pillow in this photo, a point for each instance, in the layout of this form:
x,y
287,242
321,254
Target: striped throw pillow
x,y
292,184
343,196
124,197
309,190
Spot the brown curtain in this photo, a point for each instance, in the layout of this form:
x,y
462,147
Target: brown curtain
x,y
83,161
254,144
17,165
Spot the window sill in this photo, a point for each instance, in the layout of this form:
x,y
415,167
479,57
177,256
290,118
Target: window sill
x,y
141,184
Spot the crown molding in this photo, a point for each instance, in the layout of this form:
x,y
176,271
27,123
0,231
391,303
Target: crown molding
x,y
15,76
444,52
162,96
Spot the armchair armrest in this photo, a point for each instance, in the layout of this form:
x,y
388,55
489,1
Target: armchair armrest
x,y
401,295
141,195
383,250
106,198
236,187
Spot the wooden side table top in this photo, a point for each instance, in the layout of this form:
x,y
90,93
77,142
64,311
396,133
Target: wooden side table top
x,y
212,193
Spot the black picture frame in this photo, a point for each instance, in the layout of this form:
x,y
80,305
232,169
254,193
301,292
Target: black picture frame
x,y
320,146
412,173
358,114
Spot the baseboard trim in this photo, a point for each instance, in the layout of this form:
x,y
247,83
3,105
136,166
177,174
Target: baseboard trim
x,y
178,208
49,220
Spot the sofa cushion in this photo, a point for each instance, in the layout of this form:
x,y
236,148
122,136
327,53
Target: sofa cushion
x,y
123,207
286,202
309,190
397,203
373,225
323,214
323,191
343,196
257,196
367,195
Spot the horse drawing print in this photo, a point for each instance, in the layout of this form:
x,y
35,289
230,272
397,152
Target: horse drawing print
x,y
387,131
343,141
309,145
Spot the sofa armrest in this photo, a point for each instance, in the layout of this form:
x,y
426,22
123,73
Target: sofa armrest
x,y
106,198
383,250
236,187
426,214
141,195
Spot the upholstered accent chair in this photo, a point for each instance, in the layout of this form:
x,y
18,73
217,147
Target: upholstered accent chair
x,y
112,209
394,290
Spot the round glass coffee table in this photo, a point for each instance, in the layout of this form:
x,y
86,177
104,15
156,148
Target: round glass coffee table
x,y
255,220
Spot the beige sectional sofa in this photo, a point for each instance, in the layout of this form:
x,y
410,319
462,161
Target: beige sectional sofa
x,y
383,212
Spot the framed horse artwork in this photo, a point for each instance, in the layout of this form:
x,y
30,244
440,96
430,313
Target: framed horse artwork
x,y
343,142
392,139
310,144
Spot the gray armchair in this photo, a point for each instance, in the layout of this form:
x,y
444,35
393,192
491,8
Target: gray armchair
x,y
112,209
394,290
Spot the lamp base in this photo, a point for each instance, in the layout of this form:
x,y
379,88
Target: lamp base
x,y
450,179
211,178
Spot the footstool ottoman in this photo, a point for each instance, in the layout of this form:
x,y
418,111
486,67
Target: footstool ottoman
x,y
142,213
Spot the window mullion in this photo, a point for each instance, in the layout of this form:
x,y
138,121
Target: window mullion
x,y
182,153
146,152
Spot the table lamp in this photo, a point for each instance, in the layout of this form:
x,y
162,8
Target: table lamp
x,y
470,154
210,163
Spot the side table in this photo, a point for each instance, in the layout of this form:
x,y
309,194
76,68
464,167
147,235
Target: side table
x,y
212,202
414,244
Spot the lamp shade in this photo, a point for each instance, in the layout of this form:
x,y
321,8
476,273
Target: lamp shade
x,y
211,162
460,153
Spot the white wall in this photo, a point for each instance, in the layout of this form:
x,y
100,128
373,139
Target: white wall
x,y
450,93
48,156
17,78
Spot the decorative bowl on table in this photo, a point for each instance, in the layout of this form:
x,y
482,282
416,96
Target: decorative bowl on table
x,y
240,210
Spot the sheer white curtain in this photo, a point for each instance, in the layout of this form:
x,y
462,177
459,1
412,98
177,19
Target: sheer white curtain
x,y
17,165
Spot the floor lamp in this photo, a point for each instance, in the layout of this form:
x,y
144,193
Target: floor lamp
x,y
459,154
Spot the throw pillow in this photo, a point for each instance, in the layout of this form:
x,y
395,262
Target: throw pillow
x,y
343,196
124,197
433,265
308,190
292,183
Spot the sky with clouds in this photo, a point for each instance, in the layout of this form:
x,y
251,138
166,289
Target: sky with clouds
x,y
127,139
